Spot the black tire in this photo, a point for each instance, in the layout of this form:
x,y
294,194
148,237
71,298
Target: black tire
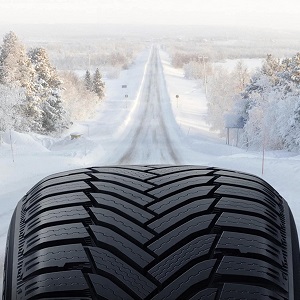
x,y
152,232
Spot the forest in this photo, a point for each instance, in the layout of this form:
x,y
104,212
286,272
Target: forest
x,y
267,99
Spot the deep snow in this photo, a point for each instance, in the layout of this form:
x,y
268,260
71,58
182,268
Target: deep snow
x,y
114,131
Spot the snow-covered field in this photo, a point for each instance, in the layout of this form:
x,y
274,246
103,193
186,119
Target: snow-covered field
x,y
150,126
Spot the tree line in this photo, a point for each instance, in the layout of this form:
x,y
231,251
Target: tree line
x,y
270,105
268,102
34,96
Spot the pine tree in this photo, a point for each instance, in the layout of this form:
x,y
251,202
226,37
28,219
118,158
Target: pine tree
x,y
88,81
48,87
16,71
295,68
98,84
15,66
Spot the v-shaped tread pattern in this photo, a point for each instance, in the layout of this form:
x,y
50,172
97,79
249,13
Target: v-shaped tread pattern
x,y
152,232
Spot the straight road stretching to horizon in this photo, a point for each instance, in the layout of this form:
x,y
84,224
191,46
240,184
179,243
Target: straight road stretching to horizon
x,y
151,134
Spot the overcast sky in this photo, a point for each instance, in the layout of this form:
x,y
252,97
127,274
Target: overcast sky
x,y
276,14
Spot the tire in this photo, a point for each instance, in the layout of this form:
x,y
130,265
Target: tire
x,y
152,232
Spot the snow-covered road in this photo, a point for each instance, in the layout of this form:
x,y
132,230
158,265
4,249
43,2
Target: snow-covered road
x,y
150,134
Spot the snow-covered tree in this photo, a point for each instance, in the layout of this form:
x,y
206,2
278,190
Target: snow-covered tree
x,y
271,67
219,98
88,81
223,86
270,104
240,76
11,115
15,66
197,69
292,68
48,89
17,71
98,85
77,100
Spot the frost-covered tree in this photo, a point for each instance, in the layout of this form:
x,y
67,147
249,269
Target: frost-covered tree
x,y
270,104
219,98
11,115
295,76
15,66
77,100
17,71
88,81
223,86
197,69
271,67
48,89
98,85
291,68
240,76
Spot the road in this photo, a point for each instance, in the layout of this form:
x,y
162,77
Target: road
x,y
151,137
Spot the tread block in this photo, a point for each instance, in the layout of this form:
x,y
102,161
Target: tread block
x,y
175,236
232,204
112,239
173,169
63,200
250,244
130,167
258,184
68,298
197,274
59,189
239,221
248,292
54,257
123,224
58,234
250,267
134,280
122,192
165,179
246,193
54,216
181,213
180,198
207,294
63,174
59,180
123,206
179,185
66,283
245,176
105,288
135,174
174,262
119,179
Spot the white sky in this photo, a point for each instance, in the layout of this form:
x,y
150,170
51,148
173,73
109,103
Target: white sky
x,y
277,14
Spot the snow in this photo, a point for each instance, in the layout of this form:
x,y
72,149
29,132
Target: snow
x,y
174,131
251,63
